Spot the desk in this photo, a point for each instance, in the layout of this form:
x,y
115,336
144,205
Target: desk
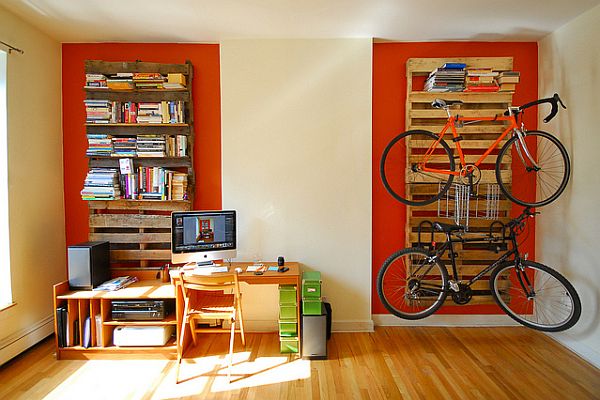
x,y
83,303
290,277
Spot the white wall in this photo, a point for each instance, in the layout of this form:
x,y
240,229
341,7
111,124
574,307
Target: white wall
x,y
296,137
568,232
35,179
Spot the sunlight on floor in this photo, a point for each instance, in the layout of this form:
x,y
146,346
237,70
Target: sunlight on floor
x,y
155,379
195,373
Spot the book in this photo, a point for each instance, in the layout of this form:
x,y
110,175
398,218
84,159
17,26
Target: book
x,y
454,65
87,333
507,87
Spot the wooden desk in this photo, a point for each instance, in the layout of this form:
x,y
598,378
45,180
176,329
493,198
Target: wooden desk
x,y
83,303
290,277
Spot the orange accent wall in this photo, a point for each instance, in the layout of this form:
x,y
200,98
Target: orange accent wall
x,y
389,102
206,93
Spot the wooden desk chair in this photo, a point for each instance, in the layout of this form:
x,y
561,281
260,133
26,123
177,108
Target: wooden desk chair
x,y
205,299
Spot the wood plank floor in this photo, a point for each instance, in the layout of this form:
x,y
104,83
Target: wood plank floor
x,y
391,363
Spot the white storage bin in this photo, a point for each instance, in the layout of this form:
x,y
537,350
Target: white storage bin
x,y
142,335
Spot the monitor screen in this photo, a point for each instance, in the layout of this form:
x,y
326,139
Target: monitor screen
x,y
202,236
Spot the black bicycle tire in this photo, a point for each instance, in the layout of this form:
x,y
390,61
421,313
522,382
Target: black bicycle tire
x,y
385,180
392,309
563,185
567,285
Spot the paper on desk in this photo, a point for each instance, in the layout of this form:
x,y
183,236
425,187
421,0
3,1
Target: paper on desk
x,y
208,270
253,268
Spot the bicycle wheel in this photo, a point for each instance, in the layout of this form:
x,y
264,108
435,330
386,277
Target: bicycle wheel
x,y
539,184
550,304
402,175
411,285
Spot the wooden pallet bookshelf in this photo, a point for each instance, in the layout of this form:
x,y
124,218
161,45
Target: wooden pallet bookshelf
x,y
139,230
476,138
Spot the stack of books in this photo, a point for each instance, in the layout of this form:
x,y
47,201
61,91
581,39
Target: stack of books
x,y
176,146
148,80
116,283
508,80
121,81
150,146
175,81
179,186
150,113
481,80
95,81
124,146
448,78
99,145
98,111
101,184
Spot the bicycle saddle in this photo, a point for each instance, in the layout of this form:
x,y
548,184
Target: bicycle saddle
x,y
440,103
440,226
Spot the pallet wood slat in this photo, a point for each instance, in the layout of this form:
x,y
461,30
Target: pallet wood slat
x,y
113,67
132,237
171,205
129,220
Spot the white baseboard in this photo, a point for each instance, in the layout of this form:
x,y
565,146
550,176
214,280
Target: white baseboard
x,y
584,351
336,326
446,320
352,326
17,343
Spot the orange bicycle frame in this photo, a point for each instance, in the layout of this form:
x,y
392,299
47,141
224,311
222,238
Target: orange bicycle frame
x,y
451,123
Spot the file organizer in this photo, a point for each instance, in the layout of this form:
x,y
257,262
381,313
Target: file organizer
x,y
288,320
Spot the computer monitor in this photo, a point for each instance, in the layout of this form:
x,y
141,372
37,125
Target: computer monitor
x,y
202,236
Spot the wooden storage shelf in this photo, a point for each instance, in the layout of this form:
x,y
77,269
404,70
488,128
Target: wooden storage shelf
x,y
142,235
82,304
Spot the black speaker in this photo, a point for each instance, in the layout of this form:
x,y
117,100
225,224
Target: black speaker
x,y
88,264
280,261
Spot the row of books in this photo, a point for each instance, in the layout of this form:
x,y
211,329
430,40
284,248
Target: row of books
x,y
64,336
113,112
148,183
154,183
135,80
105,145
456,77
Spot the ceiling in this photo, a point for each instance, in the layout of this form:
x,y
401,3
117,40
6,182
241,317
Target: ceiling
x,y
216,20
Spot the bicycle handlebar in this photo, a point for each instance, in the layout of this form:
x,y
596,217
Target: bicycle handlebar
x,y
554,101
524,215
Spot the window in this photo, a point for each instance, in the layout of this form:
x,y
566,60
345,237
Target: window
x,y
5,287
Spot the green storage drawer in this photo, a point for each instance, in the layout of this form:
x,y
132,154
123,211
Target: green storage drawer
x,y
288,327
311,306
287,295
288,344
287,311
311,284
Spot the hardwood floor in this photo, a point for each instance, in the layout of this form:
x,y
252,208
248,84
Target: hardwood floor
x,y
392,363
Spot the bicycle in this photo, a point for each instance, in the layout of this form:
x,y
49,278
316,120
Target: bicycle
x,y
413,283
424,167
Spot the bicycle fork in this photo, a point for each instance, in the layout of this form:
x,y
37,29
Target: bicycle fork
x,y
524,281
522,145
